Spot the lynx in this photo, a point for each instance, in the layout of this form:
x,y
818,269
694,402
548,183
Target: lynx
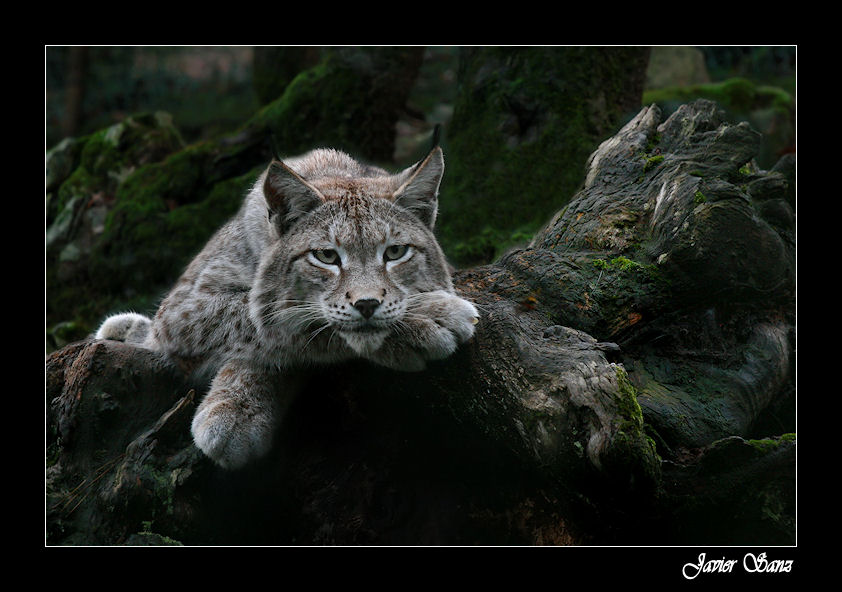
x,y
327,260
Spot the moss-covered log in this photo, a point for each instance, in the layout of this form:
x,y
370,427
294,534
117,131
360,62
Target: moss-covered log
x,y
617,357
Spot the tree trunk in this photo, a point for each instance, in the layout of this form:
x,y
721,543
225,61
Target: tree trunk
x,y
622,364
75,90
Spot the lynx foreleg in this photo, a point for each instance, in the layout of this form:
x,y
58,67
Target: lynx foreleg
x,y
235,422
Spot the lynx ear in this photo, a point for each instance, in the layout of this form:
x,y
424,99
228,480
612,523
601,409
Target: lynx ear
x,y
418,187
288,195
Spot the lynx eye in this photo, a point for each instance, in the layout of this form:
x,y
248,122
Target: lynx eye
x,y
394,252
328,256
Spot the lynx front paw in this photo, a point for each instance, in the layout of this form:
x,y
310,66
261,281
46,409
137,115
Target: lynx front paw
x,y
461,318
231,431
434,326
448,321
129,327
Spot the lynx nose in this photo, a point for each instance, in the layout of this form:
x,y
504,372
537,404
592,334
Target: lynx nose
x,y
367,306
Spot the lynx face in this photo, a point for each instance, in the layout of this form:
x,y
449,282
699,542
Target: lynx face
x,y
352,256
352,269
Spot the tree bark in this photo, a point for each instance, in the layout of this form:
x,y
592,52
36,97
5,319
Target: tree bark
x,y
645,330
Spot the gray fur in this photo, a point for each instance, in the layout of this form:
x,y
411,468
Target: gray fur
x,y
267,297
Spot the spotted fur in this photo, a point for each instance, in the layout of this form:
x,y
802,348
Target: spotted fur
x,y
327,260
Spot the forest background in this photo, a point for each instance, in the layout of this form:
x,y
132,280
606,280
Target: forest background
x,y
625,216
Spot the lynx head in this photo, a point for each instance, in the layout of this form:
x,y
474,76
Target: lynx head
x,y
354,244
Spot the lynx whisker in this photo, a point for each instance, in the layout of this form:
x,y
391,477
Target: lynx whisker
x,y
401,328
329,339
412,316
300,312
316,333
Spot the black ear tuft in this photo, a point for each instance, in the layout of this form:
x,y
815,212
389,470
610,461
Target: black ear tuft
x,y
436,136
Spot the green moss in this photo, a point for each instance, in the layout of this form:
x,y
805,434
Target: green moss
x,y
61,160
106,159
777,98
619,292
145,137
337,103
147,241
66,332
652,162
736,94
623,264
282,116
147,195
633,450
629,408
191,226
108,156
699,197
100,153
768,445
81,183
162,213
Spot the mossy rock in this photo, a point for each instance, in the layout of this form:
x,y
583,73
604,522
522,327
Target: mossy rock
x,y
97,164
84,178
61,160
